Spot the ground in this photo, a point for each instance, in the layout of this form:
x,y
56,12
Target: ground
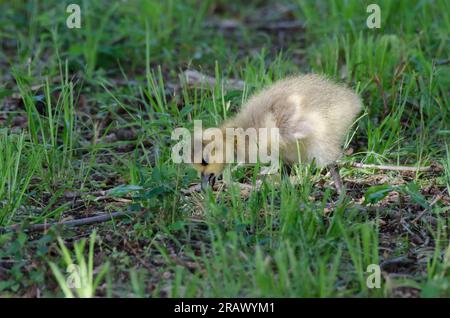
x,y
85,129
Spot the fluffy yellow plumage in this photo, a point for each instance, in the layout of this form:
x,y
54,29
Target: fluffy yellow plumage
x,y
313,115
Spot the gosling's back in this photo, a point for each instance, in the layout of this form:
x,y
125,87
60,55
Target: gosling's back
x,y
313,115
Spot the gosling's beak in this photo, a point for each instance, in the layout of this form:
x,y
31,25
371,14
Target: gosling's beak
x,y
207,180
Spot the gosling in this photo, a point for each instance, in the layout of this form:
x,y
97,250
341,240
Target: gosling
x,y
313,116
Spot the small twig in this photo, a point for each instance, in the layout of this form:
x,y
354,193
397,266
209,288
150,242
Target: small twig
x,y
192,189
249,187
106,197
242,186
99,195
138,257
395,168
72,223
195,78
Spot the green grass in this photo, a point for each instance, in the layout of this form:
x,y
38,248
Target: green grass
x,y
85,123
81,272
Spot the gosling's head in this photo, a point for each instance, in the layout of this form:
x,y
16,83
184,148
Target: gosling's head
x,y
210,161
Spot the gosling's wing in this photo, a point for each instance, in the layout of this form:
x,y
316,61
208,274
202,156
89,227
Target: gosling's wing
x,y
293,118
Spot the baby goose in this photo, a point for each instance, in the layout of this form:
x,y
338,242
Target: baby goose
x,y
312,114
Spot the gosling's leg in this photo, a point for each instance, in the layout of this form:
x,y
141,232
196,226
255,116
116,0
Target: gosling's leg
x,y
286,170
334,171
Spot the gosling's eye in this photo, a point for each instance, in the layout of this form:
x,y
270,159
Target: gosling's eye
x,y
204,163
